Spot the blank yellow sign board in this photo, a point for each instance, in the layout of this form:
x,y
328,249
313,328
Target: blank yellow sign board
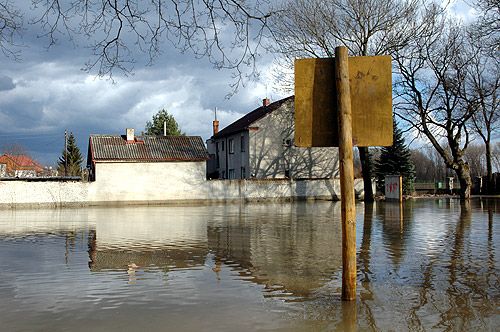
x,y
316,121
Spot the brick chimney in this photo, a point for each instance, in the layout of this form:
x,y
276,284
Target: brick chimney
x,y
130,135
266,102
215,123
216,126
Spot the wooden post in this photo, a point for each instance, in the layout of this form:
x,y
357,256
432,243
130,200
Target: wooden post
x,y
348,212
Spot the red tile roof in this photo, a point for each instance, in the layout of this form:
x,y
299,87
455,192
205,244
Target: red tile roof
x,y
21,162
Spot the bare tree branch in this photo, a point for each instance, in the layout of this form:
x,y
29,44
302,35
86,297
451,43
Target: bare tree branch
x,y
11,22
227,32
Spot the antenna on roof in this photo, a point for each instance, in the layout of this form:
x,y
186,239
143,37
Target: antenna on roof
x,y
65,152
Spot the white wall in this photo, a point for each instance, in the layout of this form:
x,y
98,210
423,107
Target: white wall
x,y
148,181
158,190
269,157
24,193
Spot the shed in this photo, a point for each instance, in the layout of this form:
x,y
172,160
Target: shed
x,y
119,157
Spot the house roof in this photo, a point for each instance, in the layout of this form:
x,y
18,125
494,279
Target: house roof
x,y
22,162
146,148
246,121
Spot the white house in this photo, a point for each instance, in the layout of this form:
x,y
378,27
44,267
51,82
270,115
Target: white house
x,y
260,145
152,168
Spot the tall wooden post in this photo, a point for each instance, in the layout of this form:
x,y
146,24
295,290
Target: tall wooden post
x,y
348,212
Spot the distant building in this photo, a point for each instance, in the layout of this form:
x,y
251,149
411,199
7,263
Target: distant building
x,y
19,166
260,145
129,160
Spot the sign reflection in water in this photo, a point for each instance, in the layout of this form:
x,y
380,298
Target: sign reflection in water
x,y
424,264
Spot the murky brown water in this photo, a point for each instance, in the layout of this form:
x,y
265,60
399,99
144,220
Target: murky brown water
x,y
432,265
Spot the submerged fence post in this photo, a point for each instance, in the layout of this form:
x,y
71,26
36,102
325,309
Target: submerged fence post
x,y
348,211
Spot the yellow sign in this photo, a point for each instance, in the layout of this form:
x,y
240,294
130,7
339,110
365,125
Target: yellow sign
x,y
316,121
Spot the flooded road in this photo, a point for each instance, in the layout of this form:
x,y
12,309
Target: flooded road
x,y
425,265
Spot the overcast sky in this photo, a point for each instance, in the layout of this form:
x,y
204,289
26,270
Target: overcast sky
x,y
47,92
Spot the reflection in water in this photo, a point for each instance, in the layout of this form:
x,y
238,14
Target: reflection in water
x,y
427,264
282,250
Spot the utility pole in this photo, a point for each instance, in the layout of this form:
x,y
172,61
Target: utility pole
x,y
66,152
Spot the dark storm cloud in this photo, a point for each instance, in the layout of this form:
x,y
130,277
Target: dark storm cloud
x,y
47,92
6,83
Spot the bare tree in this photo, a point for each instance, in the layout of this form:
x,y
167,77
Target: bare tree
x,y
488,23
429,166
475,157
313,28
10,28
496,156
227,32
440,171
431,71
14,149
480,92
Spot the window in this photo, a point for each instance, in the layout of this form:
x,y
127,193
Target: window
x,y
231,174
242,143
231,145
243,173
217,155
222,145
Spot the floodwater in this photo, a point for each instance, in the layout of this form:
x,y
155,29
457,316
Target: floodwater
x,y
427,265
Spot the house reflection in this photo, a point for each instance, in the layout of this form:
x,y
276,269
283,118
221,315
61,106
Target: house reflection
x,y
163,238
283,249
137,257
434,267
294,249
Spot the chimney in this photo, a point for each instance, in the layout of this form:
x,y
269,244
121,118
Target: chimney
x,y
130,134
216,126
215,123
265,102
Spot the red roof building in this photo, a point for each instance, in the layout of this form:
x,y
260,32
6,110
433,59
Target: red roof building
x,y
19,163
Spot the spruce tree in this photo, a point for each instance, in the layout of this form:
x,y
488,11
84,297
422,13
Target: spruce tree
x,y
73,157
155,127
395,160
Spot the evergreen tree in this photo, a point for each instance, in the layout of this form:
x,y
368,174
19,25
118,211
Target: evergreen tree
x,y
73,157
395,160
155,127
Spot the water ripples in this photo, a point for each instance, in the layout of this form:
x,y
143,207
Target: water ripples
x,y
426,264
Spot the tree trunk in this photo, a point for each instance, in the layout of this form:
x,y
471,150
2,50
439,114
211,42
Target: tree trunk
x,y
463,173
366,169
489,170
